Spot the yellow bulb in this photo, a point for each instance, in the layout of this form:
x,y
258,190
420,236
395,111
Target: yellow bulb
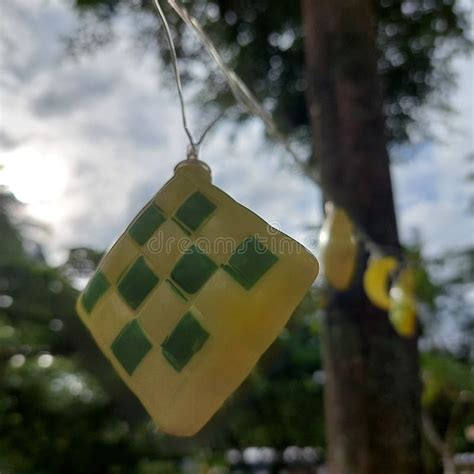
x,y
403,305
338,248
376,280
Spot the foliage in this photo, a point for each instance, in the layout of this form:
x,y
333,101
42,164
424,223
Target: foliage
x,y
445,377
447,362
263,41
448,398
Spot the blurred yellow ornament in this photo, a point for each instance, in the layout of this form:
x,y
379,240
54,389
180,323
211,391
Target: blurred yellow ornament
x,y
402,312
338,248
190,296
376,280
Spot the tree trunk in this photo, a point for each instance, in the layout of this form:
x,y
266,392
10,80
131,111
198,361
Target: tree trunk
x,y
372,396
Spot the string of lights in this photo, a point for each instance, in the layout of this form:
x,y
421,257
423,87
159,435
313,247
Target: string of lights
x,y
247,100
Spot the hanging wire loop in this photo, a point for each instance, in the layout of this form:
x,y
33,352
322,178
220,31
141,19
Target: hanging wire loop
x,y
193,149
177,74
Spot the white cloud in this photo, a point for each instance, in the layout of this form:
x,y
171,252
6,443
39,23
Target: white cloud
x,y
432,191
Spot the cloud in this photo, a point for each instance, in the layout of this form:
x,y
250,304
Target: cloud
x,y
7,142
432,190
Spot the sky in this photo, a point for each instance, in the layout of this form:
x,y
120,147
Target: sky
x,y
85,142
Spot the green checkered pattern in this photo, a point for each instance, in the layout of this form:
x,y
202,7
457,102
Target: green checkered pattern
x,y
190,273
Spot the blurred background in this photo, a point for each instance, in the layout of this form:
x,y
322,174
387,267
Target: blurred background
x,y
90,129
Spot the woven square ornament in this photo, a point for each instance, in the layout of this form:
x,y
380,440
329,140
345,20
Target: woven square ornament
x,y
190,296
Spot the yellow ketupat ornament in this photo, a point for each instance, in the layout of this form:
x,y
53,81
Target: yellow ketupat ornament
x,y
338,247
402,312
376,280
399,299
190,296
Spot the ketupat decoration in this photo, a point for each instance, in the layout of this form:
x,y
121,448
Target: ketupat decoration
x,y
190,296
377,280
402,311
338,247
398,299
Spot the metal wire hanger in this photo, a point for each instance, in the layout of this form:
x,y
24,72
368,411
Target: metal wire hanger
x,y
193,149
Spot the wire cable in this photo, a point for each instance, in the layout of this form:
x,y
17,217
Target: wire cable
x,y
193,144
239,89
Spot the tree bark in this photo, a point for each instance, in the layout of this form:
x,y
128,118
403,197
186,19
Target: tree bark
x,y
373,414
